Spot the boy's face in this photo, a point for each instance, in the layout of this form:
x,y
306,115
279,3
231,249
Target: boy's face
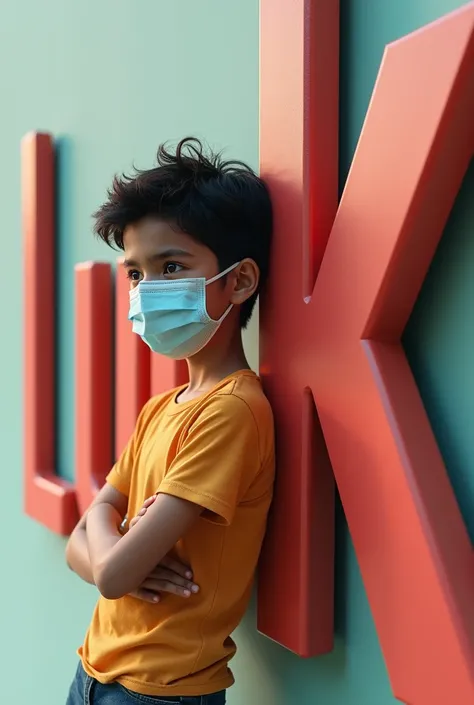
x,y
153,250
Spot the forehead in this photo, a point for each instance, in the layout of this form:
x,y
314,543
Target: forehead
x,y
151,234
152,238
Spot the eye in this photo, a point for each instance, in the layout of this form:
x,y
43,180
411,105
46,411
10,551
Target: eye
x,y
134,276
172,268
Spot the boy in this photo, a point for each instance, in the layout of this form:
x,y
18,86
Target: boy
x,y
196,477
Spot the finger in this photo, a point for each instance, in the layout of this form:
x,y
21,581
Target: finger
x,y
148,502
163,575
166,586
177,567
146,595
136,518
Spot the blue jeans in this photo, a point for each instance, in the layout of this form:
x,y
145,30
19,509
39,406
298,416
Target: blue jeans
x,y
87,691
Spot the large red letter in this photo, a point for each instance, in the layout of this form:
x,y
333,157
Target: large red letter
x,y
414,552
299,158
48,498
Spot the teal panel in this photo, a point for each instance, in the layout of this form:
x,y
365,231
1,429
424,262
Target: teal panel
x,y
439,341
367,26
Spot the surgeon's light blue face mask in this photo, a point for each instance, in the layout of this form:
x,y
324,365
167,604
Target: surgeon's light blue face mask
x,y
171,317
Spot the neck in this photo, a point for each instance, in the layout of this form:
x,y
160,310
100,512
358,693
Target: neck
x,y
218,360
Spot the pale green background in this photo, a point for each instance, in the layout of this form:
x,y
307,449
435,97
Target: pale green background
x,y
111,79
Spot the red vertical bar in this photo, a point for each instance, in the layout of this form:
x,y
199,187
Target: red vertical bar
x,y
299,79
48,498
94,320
132,367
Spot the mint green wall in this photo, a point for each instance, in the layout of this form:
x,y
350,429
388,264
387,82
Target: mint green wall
x,y
111,79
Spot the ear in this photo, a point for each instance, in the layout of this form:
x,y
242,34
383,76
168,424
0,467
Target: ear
x,y
245,281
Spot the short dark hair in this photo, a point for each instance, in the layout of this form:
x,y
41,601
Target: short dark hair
x,y
222,204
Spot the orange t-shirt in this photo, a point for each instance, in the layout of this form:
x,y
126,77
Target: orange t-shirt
x,y
216,451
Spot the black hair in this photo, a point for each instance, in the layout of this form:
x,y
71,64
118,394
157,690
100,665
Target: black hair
x,y
222,204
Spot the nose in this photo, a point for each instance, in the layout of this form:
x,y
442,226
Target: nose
x,y
152,277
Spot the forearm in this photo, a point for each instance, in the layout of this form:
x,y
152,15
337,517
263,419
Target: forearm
x,y
121,564
102,534
77,555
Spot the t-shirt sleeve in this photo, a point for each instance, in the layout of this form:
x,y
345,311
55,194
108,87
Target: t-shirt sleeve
x,y
121,473
218,460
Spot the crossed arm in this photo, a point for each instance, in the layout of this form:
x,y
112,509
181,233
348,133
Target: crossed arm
x,y
136,563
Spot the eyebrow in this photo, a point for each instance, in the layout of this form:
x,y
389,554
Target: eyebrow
x,y
166,254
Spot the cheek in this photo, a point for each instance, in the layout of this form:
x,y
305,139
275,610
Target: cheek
x,y
217,301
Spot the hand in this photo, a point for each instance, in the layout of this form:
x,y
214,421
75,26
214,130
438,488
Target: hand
x,y
169,576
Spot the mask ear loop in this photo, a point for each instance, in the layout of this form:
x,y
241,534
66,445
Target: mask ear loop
x,y
222,274
225,314
214,279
